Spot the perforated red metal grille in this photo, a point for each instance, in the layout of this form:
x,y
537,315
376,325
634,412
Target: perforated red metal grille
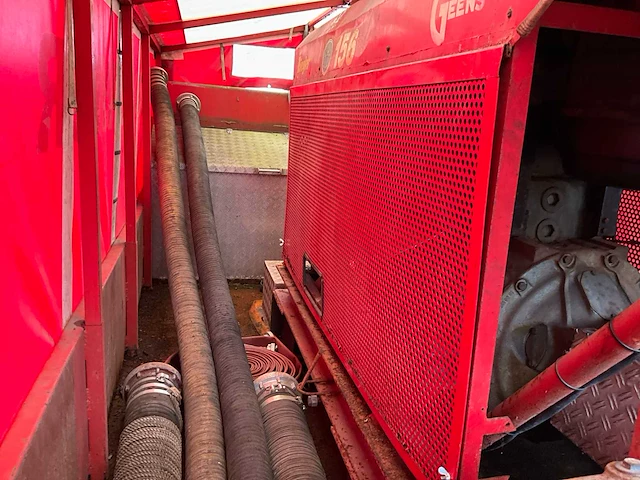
x,y
386,196
628,226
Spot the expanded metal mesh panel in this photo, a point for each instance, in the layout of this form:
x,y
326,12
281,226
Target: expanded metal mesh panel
x,y
384,198
628,226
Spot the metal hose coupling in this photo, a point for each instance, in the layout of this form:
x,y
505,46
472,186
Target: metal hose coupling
x,y
159,76
188,98
274,386
153,388
288,437
151,442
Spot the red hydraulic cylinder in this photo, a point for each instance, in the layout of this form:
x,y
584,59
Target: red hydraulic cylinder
x,y
608,346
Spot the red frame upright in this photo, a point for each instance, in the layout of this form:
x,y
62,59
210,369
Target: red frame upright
x,y
92,261
131,250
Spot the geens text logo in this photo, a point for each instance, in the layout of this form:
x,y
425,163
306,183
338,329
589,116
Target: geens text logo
x,y
442,11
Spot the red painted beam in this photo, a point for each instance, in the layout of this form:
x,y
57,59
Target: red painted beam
x,y
234,17
587,18
131,250
238,108
90,234
273,35
145,85
143,25
513,105
320,17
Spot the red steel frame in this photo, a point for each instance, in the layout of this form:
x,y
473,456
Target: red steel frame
x,y
90,234
145,85
97,401
513,104
234,17
256,37
131,251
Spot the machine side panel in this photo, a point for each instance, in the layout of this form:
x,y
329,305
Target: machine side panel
x,y
387,191
382,33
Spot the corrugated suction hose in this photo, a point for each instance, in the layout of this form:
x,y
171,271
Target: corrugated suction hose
x,y
151,443
293,453
244,436
204,442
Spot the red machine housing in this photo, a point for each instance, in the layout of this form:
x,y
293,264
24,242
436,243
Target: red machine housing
x,y
407,128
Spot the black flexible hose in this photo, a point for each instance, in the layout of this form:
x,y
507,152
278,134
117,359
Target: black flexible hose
x,y
293,453
204,441
245,441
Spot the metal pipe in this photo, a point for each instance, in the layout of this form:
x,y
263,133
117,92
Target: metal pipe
x,y
608,346
293,453
151,443
246,444
204,443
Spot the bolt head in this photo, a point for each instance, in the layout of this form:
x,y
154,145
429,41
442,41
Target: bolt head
x,y
521,285
612,260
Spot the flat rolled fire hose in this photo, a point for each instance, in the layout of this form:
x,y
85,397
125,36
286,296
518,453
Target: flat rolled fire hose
x,y
262,360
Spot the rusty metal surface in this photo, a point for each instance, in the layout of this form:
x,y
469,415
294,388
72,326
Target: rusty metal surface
x,y
357,457
376,442
602,419
272,281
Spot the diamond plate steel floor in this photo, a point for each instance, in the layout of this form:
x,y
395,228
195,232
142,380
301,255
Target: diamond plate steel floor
x,y
601,420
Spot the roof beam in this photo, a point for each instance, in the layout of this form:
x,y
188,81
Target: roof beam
x,y
233,17
256,37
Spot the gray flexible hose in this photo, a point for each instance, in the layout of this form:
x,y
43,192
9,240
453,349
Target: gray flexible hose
x,y
150,449
246,446
204,440
293,453
150,443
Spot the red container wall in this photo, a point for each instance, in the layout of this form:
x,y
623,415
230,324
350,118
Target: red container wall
x,y
32,42
31,179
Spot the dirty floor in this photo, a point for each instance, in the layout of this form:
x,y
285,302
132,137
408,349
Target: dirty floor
x,y
158,340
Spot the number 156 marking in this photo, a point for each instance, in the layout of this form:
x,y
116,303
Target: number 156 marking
x,y
346,49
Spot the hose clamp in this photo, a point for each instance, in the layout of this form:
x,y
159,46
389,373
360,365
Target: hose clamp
x,y
276,386
159,76
152,377
188,98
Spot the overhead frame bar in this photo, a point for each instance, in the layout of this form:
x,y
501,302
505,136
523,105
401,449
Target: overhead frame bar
x,y
234,17
256,37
